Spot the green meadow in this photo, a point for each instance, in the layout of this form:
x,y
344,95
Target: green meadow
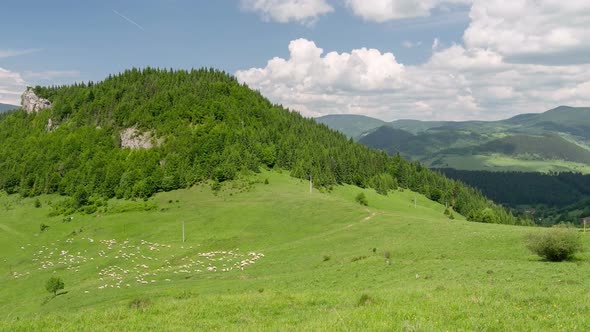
x,y
272,256
499,162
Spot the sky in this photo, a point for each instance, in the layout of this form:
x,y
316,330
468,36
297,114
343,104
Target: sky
x,y
389,59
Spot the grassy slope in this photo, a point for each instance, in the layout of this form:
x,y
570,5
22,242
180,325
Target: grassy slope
x,y
444,275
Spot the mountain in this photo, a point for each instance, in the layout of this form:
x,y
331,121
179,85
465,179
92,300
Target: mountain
x,y
350,125
146,131
557,140
416,126
382,137
547,147
7,107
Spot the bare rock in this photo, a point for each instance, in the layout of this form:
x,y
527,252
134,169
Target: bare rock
x,y
133,139
51,126
31,103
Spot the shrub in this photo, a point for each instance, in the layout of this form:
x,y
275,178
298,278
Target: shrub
x,y
43,227
364,300
140,303
361,199
54,284
555,244
37,203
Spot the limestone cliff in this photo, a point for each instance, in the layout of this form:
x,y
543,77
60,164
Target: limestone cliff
x,y
133,139
31,103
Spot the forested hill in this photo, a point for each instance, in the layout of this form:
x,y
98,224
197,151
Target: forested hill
x,y
204,126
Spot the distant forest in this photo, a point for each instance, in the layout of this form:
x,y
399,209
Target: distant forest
x,y
526,188
551,198
210,128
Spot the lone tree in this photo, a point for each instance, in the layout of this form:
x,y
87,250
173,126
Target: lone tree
x,y
54,284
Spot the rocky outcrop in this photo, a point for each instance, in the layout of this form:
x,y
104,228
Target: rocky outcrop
x,y
31,103
133,139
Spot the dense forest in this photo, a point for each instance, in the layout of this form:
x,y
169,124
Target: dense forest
x,y
206,127
552,198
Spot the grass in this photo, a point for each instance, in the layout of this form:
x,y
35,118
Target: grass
x,y
498,162
441,274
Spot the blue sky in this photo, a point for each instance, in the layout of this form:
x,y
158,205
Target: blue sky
x,y
49,42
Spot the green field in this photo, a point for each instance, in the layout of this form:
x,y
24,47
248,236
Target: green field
x,y
498,162
293,261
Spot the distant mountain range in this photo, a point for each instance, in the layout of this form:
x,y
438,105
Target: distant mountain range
x,y
557,140
7,107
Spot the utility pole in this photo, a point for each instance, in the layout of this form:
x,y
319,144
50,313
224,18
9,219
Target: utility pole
x,y
183,231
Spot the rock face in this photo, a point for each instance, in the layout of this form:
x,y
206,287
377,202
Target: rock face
x,y
133,139
33,104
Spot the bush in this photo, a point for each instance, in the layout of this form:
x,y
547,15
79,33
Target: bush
x,y
365,299
361,199
140,303
54,284
555,244
37,203
43,227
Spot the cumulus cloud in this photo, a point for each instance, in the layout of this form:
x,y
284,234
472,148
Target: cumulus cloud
x,y
283,11
529,28
387,10
456,83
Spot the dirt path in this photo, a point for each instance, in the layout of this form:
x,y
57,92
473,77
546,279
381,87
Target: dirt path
x,y
370,216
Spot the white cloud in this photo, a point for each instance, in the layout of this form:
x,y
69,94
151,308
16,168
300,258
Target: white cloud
x,y
456,83
525,28
307,70
49,75
13,84
11,53
11,87
410,44
435,44
387,10
284,11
